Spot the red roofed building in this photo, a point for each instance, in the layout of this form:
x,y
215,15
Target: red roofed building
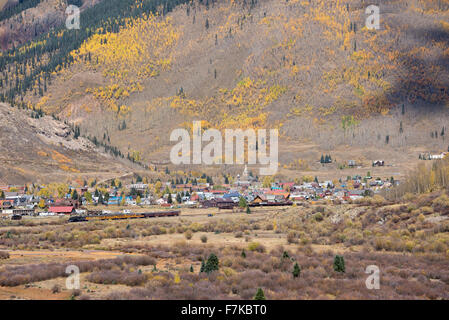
x,y
65,210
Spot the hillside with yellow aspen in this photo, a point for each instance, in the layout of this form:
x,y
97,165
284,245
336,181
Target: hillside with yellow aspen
x,y
310,68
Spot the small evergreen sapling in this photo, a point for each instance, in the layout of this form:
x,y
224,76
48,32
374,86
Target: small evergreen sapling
x,y
211,264
339,263
296,270
259,295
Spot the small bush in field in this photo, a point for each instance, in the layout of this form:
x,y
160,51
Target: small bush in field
x,y
259,295
256,246
296,270
203,239
75,293
291,237
188,234
318,216
442,201
339,263
56,289
4,255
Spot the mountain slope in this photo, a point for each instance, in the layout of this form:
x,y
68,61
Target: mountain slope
x,y
45,149
309,68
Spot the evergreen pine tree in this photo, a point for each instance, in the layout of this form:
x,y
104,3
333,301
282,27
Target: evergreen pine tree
x,y
296,270
259,295
211,264
339,263
242,202
100,198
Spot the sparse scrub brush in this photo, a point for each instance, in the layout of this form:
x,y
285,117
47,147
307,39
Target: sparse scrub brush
x,y
4,255
291,237
188,234
56,289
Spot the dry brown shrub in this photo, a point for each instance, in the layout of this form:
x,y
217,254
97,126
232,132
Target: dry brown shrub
x,y
4,255
188,234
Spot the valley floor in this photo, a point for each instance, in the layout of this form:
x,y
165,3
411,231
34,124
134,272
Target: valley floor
x,y
161,258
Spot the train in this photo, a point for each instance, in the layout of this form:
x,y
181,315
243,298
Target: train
x,y
122,216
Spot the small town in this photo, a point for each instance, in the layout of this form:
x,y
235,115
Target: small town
x,y
225,150
246,191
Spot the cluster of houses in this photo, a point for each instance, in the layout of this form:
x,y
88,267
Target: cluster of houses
x,y
245,188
